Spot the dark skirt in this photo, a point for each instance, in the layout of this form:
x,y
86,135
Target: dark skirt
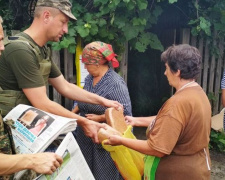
x,y
98,159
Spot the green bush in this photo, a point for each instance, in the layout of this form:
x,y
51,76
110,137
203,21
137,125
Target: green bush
x,y
217,141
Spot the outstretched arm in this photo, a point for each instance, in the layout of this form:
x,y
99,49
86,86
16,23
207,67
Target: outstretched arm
x,y
43,163
39,99
139,121
138,145
74,92
95,117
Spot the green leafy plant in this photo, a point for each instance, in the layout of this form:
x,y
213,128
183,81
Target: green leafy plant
x,y
212,97
121,21
208,21
15,14
114,22
6,14
217,141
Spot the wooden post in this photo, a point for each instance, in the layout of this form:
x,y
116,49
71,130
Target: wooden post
x,y
185,36
212,68
68,73
56,59
124,63
205,67
218,72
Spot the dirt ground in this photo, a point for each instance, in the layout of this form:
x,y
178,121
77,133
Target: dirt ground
x,y
217,159
218,165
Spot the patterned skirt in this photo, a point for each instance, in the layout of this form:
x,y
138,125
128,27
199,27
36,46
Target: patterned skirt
x,y
98,159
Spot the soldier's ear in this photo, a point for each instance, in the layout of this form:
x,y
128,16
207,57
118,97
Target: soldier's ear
x,y
46,16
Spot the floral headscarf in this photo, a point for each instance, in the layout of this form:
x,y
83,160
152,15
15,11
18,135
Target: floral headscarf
x,y
98,53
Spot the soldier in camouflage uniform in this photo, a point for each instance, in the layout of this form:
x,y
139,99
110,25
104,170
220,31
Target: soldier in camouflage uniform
x,y
25,69
44,163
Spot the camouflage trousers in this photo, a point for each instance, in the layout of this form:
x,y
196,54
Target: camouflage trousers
x,y
7,147
28,175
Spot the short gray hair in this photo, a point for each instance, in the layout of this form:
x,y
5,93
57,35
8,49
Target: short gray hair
x,y
1,21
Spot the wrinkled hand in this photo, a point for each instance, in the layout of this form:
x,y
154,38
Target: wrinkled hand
x,y
91,129
111,103
114,140
45,163
130,120
95,117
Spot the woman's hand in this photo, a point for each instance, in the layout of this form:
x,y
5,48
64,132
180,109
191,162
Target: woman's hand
x,y
130,120
95,117
139,121
114,140
75,109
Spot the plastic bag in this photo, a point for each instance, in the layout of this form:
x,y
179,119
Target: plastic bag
x,y
130,163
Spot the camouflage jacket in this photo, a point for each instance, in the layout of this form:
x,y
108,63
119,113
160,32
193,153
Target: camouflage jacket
x,y
7,147
6,144
16,97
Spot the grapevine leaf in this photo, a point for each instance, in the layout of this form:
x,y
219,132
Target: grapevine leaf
x,y
172,1
82,31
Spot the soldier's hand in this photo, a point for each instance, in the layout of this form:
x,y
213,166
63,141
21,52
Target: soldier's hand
x,y
45,163
91,129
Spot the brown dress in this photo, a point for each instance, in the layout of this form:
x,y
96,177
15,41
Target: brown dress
x,y
181,131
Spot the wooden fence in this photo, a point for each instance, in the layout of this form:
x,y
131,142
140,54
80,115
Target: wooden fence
x,y
210,77
65,61
212,66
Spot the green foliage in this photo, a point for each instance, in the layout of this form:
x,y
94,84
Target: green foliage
x,y
209,16
217,141
201,24
119,21
15,14
172,1
6,14
114,22
212,97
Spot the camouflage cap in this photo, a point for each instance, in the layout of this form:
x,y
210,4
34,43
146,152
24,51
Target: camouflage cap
x,y
62,5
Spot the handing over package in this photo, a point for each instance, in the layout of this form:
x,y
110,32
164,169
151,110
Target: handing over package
x,y
130,163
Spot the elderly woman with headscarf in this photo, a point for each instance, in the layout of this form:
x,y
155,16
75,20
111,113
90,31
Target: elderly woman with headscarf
x,y
104,81
178,137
